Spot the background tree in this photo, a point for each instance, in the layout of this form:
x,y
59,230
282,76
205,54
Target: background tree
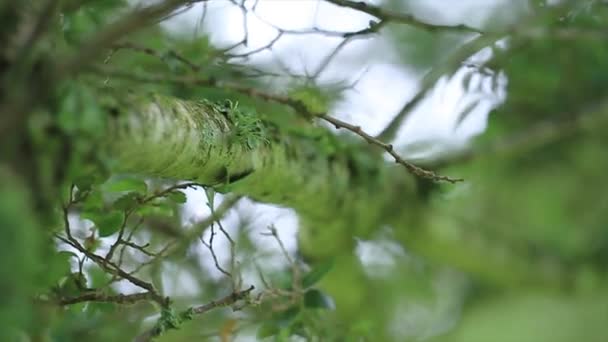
x,y
114,126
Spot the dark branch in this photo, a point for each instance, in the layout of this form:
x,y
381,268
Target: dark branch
x,y
102,297
404,18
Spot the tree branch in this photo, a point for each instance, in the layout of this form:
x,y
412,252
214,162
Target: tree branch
x,y
418,171
228,300
295,104
449,65
102,297
409,19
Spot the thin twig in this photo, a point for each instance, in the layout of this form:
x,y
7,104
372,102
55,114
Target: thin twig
x,y
404,18
121,232
448,66
213,255
138,247
113,269
418,171
295,270
228,300
107,298
225,301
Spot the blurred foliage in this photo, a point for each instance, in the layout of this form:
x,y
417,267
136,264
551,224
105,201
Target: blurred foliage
x,y
517,253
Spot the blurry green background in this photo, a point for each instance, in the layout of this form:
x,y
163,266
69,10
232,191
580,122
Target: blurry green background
x,y
516,252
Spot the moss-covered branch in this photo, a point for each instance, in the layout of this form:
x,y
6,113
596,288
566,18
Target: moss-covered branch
x,y
233,150
339,192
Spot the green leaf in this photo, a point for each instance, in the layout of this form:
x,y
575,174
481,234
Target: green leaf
x,y
96,308
93,202
267,329
99,278
107,224
316,299
177,197
210,192
126,185
64,257
61,263
126,201
288,317
316,99
317,273
156,209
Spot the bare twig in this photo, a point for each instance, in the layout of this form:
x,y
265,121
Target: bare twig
x,y
224,301
451,64
295,270
268,46
138,247
113,269
403,18
121,254
157,256
95,296
418,171
228,300
209,246
121,232
373,27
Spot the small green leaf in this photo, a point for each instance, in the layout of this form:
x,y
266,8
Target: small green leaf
x,y
107,224
210,192
96,308
288,317
126,201
60,264
93,202
66,256
316,99
317,273
267,329
126,185
177,197
99,278
316,299
156,209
